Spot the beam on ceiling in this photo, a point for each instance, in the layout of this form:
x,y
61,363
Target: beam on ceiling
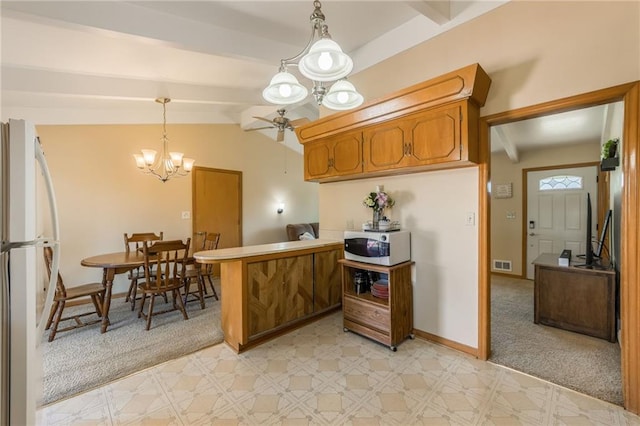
x,y
439,11
507,143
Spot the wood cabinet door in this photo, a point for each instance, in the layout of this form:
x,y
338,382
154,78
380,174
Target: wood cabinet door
x,y
436,136
327,290
317,160
386,146
333,156
278,291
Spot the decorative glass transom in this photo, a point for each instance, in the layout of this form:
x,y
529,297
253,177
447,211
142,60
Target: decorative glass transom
x,y
556,183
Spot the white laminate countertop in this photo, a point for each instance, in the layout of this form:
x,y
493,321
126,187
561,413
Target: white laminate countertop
x,y
233,253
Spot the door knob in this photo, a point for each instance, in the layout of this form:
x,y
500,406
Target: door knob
x,y
532,234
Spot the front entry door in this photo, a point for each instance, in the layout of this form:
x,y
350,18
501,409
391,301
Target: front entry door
x,y
556,211
217,206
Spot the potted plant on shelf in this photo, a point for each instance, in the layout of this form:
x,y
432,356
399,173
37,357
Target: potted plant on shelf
x,y
609,155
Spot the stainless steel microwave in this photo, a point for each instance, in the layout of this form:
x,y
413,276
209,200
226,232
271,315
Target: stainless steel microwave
x,y
379,248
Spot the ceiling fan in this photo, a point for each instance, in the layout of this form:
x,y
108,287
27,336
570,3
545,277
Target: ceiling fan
x,y
281,123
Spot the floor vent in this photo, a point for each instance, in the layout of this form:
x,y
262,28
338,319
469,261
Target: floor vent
x,y
502,265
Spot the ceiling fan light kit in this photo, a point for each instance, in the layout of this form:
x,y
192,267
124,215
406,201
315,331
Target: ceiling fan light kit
x,y
322,60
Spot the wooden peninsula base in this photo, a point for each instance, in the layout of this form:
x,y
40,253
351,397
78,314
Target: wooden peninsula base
x,y
270,289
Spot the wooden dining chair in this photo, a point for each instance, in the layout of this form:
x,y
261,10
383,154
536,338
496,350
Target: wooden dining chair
x,y
206,271
95,291
164,267
198,272
132,243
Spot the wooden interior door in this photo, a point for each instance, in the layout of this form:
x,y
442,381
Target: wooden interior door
x,y
217,206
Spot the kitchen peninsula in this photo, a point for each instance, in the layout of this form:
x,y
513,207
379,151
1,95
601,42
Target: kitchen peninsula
x,y
270,289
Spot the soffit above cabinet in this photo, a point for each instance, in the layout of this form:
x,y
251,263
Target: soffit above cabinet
x,y
470,83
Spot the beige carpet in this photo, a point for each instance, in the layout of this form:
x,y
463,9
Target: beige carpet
x,y
582,363
83,359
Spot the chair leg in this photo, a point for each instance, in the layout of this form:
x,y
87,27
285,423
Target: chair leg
x,y
97,303
187,287
144,299
56,321
213,289
133,293
176,295
150,313
200,279
54,307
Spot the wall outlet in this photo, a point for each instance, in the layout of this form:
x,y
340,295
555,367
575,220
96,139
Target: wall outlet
x,y
350,225
470,219
186,215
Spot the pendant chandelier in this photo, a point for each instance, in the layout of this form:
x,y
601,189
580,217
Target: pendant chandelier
x,y
168,164
322,61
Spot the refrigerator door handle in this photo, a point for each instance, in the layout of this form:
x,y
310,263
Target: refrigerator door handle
x,y
54,243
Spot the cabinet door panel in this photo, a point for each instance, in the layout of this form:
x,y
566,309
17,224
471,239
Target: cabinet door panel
x,y
385,147
327,291
317,159
436,137
278,291
347,154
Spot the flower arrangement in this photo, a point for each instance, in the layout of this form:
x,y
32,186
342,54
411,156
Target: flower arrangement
x,y
378,200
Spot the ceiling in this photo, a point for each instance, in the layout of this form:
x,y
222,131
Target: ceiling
x,y
105,62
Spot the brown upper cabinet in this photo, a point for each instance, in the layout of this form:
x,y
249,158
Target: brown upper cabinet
x,y
334,156
429,126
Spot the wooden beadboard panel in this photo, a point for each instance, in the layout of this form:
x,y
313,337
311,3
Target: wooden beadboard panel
x,y
470,82
328,285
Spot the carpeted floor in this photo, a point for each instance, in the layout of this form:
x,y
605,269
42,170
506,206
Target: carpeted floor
x,y
583,363
82,359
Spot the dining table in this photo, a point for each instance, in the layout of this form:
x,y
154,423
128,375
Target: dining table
x,y
112,264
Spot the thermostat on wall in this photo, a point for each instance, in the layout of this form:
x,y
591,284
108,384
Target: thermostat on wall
x,y
503,190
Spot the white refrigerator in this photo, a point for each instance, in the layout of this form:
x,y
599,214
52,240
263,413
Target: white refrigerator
x,y
26,187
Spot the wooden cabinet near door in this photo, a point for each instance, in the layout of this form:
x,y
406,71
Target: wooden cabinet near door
x,y
435,137
333,156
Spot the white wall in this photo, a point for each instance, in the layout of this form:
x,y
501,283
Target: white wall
x,y
434,207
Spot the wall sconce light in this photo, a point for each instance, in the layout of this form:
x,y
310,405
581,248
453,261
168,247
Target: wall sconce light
x,y
280,208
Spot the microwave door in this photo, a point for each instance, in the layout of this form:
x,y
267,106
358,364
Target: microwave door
x,y
366,247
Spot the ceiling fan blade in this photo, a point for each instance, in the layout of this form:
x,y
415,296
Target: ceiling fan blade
x,y
258,128
280,137
299,122
264,119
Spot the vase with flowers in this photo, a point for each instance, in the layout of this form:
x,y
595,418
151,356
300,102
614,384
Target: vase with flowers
x,y
378,201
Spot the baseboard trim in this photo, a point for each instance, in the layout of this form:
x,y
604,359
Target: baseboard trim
x,y
446,342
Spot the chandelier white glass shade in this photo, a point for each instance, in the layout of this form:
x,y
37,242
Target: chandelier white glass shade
x,y
168,164
322,61
342,96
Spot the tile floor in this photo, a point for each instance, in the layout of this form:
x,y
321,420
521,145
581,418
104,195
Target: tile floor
x,y
322,376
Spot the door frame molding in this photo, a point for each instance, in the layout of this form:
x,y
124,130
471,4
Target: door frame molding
x,y
525,206
629,267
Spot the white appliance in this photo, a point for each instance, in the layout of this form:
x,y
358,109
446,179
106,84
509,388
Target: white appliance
x,y
23,170
379,248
